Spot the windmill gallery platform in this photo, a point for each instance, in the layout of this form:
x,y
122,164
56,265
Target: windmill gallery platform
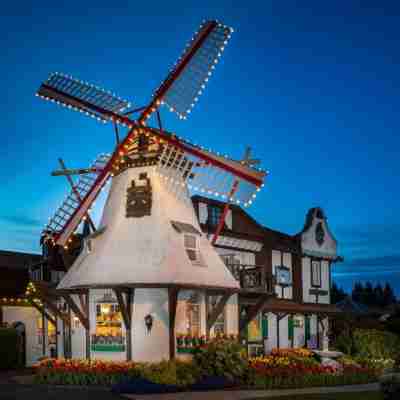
x,y
166,269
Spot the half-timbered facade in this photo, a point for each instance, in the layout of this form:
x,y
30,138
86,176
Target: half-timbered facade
x,y
296,267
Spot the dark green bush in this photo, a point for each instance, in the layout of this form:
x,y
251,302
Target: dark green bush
x,y
222,357
369,343
10,357
376,344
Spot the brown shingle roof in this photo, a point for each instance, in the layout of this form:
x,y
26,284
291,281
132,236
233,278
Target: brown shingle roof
x,y
14,273
17,260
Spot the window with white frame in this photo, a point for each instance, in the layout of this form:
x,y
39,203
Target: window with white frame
x,y
316,274
191,247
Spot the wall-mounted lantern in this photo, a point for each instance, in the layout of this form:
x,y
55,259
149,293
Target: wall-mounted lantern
x,y
148,320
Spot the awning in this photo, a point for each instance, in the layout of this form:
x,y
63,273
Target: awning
x,y
291,307
182,227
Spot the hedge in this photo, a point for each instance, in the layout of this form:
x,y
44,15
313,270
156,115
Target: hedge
x,y
9,349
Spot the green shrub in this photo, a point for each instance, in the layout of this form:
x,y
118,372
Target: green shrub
x,y
370,343
222,357
169,372
9,344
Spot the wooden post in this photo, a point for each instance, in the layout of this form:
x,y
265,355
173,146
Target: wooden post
x,y
126,311
277,331
129,300
87,330
172,303
213,314
83,316
43,335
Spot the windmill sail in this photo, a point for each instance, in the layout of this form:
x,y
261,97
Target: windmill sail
x,y
202,170
186,82
82,96
71,203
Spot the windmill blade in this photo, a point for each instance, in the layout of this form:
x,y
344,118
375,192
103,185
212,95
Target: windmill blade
x,y
207,172
186,82
82,96
71,204
73,171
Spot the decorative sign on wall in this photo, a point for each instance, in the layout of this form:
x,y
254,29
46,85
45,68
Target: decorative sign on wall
x,y
319,234
139,198
283,275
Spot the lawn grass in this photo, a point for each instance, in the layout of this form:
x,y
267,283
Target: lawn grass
x,y
331,396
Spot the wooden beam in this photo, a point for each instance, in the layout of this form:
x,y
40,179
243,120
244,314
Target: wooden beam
x,y
49,300
76,310
123,307
172,303
213,314
254,310
43,312
87,313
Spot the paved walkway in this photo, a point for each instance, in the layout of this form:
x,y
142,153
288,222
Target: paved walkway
x,y
253,394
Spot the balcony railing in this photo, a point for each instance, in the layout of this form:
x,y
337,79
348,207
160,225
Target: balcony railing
x,y
252,277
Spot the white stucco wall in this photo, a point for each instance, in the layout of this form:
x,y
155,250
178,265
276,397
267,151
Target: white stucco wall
x,y
29,317
153,346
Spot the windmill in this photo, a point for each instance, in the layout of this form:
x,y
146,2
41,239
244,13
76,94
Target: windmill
x,y
153,172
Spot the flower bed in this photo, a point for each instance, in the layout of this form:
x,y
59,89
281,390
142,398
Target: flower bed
x,y
284,368
296,368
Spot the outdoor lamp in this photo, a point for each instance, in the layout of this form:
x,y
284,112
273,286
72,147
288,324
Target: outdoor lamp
x,y
148,320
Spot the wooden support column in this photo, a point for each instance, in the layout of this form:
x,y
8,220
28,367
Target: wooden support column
x,y
44,330
279,316
212,315
43,312
87,330
82,314
50,304
125,305
254,310
172,304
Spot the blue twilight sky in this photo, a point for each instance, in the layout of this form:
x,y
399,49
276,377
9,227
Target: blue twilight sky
x,y
314,89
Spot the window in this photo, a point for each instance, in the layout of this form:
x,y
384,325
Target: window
x,y
193,315
108,336
316,273
190,243
219,325
214,215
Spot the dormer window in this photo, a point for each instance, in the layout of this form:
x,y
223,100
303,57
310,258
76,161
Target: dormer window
x,y
190,237
191,247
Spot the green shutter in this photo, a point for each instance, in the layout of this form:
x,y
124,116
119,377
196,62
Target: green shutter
x,y
307,329
265,326
290,328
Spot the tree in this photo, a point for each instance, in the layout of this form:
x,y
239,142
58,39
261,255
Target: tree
x,y
378,295
388,295
357,292
368,297
337,293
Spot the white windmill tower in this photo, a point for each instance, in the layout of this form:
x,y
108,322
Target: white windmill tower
x,y
148,249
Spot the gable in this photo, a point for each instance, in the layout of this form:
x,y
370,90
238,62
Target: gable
x,y
316,238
